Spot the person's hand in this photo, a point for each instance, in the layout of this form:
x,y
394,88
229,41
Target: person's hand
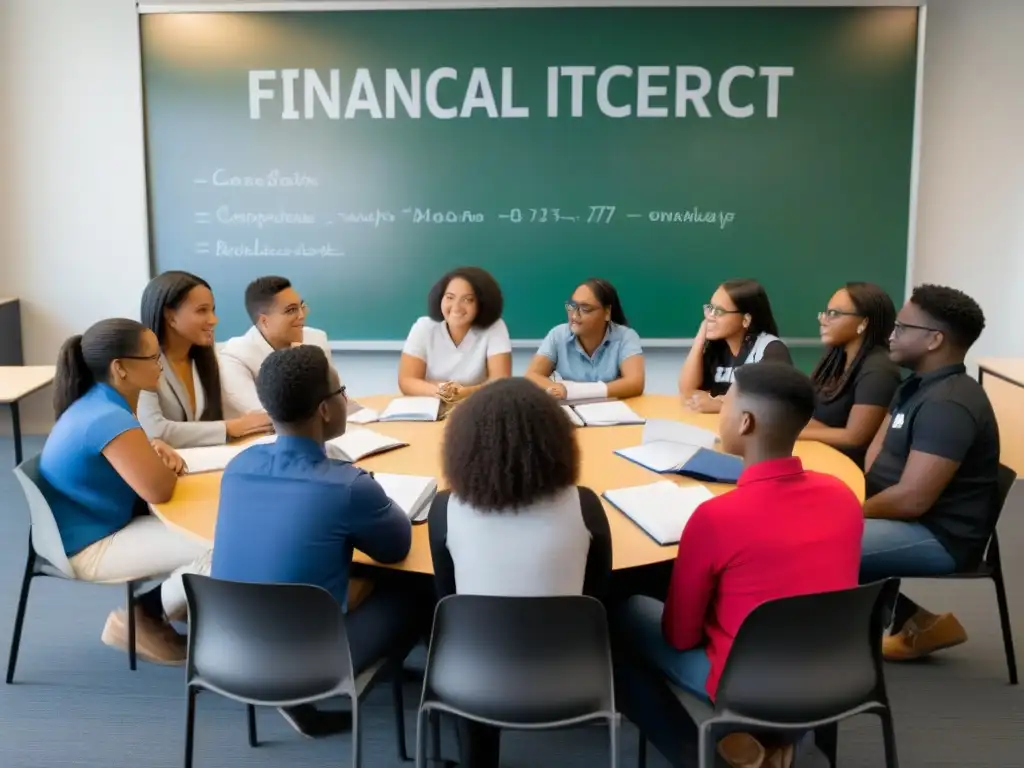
x,y
702,402
455,392
557,390
250,423
702,334
170,457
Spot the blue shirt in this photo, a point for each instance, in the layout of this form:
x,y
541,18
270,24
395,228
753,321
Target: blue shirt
x,y
573,364
89,499
290,515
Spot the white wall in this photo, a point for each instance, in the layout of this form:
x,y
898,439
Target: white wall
x,y
73,239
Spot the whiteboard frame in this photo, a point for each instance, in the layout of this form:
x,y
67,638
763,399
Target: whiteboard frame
x,y
262,6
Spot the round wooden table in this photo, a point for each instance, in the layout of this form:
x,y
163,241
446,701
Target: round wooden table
x,y
193,508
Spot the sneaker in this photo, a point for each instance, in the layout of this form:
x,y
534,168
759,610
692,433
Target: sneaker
x,y
920,637
314,723
155,641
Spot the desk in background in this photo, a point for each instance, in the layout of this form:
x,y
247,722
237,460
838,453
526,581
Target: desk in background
x,y
11,351
193,508
1003,380
16,383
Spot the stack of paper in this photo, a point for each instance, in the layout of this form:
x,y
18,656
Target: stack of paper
x,y
356,444
604,414
214,458
413,493
660,509
412,409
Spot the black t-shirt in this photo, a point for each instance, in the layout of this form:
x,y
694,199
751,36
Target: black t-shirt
x,y
720,363
946,413
873,382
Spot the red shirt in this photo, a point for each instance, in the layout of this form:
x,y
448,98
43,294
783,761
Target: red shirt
x,y
782,532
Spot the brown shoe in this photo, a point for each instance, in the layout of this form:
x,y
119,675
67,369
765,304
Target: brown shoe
x,y
155,641
741,750
779,757
921,636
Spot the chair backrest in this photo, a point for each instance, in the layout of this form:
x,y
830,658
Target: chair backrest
x,y
808,658
45,535
1007,477
559,642
263,637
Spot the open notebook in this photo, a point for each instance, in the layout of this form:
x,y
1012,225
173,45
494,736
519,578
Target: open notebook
x,y
660,509
412,409
603,414
413,493
358,443
672,446
213,458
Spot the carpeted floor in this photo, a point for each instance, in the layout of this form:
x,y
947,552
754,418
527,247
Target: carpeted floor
x,y
75,703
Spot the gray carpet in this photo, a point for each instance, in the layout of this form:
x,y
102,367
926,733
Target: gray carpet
x,y
75,703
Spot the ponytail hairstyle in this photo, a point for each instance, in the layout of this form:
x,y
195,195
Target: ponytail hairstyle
x,y
168,291
832,374
606,294
85,359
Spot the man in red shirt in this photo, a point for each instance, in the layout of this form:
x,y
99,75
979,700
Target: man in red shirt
x,y
783,531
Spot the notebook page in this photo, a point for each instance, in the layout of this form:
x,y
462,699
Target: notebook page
x,y
412,409
656,430
604,414
660,456
572,416
363,416
357,443
214,458
411,492
661,509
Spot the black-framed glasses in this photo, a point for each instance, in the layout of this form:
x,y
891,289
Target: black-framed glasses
x,y
898,328
574,308
342,390
713,310
834,314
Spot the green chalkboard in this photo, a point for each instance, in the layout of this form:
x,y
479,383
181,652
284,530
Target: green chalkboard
x,y
363,153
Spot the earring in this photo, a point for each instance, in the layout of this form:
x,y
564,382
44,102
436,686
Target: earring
x,y
860,330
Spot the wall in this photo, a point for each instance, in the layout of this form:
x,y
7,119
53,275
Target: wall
x,y
72,196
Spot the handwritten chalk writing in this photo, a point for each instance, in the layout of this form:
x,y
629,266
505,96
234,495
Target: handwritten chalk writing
x,y
271,180
536,216
431,216
257,248
374,218
693,216
259,220
601,214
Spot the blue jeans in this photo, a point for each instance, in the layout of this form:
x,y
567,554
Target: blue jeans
x,y
893,549
639,621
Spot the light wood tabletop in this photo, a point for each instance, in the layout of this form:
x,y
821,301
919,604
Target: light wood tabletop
x,y
1003,380
193,508
18,381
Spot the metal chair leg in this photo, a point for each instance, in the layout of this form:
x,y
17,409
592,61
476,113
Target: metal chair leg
x,y
613,740
356,734
422,716
131,625
1004,623
250,712
826,739
889,740
641,753
19,616
398,699
190,721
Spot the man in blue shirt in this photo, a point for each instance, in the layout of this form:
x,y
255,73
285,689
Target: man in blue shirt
x,y
289,514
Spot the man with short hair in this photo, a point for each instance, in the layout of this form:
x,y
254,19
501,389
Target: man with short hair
x,y
932,469
278,316
289,514
784,531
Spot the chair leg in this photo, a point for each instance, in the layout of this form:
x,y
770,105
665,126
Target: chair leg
x,y
1004,623
398,699
356,733
19,617
190,721
641,753
706,748
435,738
250,712
613,740
130,600
826,739
422,716
889,740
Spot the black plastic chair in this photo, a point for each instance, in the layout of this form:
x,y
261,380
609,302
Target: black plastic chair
x,y
526,663
991,567
274,645
801,664
46,557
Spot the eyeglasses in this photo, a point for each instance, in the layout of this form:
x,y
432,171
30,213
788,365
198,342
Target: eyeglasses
x,y
899,327
295,311
150,358
342,390
579,309
834,314
710,310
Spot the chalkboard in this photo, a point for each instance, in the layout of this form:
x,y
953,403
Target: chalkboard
x,y
364,153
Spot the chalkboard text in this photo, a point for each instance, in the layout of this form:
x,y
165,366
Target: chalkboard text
x,y
274,179
445,93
